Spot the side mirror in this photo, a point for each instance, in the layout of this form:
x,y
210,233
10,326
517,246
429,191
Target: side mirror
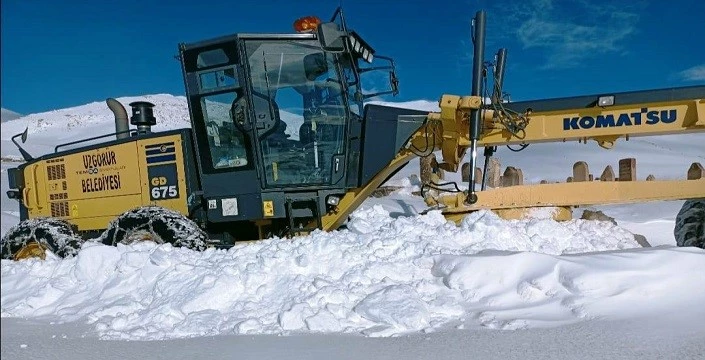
x,y
392,76
330,37
23,137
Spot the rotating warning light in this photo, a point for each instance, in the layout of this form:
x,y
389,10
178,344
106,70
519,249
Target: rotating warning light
x,y
306,24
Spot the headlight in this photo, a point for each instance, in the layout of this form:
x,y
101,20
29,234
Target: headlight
x,y
353,42
361,48
332,200
605,100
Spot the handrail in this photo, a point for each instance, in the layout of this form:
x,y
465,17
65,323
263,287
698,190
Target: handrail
x,y
36,185
56,148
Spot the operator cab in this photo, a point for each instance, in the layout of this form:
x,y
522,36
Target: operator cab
x,y
278,117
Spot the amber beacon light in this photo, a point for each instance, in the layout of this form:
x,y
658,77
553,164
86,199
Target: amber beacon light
x,y
306,24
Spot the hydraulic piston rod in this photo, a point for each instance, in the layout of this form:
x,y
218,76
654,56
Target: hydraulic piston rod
x,y
475,114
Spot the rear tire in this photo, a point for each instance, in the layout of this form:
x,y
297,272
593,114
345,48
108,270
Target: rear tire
x,y
157,224
30,238
690,224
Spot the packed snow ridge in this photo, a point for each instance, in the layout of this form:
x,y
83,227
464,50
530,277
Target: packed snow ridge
x,y
379,277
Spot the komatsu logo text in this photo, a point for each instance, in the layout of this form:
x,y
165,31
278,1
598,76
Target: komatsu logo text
x,y
644,117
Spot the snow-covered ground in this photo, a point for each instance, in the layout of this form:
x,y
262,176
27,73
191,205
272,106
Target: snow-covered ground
x,y
394,284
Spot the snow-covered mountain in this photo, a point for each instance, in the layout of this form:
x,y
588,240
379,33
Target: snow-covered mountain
x,y
48,129
391,273
6,115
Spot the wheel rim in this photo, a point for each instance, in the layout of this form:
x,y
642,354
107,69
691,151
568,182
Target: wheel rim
x,y
136,236
32,249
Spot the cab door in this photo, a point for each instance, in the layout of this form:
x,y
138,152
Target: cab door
x,y
223,138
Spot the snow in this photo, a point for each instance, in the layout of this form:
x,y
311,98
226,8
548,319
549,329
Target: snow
x,y
381,277
425,286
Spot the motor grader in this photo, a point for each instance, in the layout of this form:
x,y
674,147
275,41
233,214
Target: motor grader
x,y
282,142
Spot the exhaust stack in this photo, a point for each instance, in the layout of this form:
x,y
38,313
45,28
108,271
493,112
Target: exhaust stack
x,y
142,116
122,128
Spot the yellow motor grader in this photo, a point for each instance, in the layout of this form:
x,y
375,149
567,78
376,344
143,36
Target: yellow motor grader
x,y
282,142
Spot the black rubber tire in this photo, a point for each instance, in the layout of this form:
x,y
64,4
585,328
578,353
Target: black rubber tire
x,y
690,224
162,225
56,235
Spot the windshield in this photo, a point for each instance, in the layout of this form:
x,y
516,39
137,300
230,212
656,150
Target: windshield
x,y
305,100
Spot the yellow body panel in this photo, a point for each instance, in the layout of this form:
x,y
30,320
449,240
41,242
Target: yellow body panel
x,y
546,126
572,194
178,204
449,128
89,188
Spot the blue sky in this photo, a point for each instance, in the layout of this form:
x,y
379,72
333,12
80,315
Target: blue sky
x,y
58,54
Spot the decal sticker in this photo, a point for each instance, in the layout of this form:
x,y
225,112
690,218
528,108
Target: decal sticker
x,y
163,182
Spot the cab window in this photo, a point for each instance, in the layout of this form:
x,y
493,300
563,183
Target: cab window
x,y
214,88
226,142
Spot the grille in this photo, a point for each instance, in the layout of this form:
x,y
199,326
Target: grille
x,y
60,209
59,196
56,172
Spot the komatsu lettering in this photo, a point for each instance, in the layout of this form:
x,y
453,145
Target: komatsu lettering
x,y
101,183
99,160
645,116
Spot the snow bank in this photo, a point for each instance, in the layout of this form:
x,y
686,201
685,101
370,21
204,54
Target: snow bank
x,y
381,277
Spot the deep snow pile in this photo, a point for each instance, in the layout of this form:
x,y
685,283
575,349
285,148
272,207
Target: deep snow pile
x,y
381,277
